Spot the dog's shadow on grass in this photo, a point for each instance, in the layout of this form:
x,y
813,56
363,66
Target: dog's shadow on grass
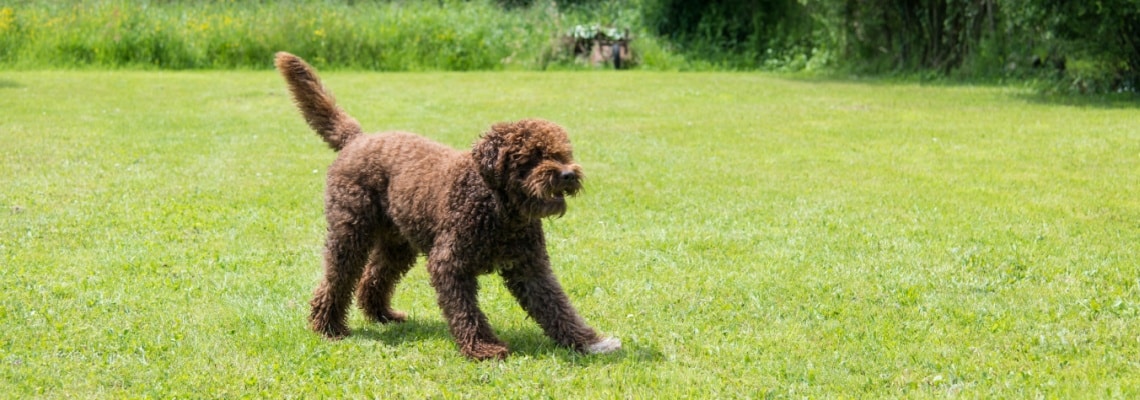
x,y
7,84
522,342
412,330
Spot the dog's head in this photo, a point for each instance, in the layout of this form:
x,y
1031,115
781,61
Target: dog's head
x,y
531,161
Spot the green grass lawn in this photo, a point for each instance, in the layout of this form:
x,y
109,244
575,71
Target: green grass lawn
x,y
745,235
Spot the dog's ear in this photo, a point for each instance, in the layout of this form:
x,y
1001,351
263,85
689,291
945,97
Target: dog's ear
x,y
491,162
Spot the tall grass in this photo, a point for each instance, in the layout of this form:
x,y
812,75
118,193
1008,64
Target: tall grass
x,y
400,36
394,35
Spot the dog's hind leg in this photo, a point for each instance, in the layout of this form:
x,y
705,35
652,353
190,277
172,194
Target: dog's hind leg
x,y
389,261
538,292
351,235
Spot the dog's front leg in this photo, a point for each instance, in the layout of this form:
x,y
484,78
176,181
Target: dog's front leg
x,y
538,291
457,295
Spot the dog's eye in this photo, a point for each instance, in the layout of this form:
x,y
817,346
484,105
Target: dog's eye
x,y
525,162
564,157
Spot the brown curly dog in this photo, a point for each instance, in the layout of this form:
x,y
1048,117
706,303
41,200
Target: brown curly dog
x,y
392,196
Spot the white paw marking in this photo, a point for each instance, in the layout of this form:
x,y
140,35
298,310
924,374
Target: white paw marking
x,y
607,345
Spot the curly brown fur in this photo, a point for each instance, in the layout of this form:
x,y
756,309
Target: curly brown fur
x,y
392,196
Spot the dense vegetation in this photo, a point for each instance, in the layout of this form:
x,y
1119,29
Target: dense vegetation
x,y
1086,46
1091,43
186,35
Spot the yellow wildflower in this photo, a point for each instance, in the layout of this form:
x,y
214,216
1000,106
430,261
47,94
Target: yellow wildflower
x,y
7,17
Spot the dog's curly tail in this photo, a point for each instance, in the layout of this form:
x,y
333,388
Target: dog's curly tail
x,y
317,104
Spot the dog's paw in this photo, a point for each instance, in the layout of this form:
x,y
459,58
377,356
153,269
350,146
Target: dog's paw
x,y
386,317
486,351
607,345
331,332
395,316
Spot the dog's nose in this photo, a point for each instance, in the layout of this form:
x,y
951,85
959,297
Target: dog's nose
x,y
568,175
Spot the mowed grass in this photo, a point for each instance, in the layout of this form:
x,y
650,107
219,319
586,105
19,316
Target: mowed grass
x,y
745,235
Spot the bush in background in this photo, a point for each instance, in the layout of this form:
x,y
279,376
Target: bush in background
x,y
1092,45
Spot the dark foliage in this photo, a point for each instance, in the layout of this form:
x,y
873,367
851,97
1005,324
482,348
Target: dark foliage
x,y
745,28
1104,30
970,37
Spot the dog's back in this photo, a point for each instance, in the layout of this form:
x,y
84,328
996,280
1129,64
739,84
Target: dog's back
x,y
408,176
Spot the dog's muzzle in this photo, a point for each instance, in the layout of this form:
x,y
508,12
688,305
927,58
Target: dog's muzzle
x,y
568,176
566,184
